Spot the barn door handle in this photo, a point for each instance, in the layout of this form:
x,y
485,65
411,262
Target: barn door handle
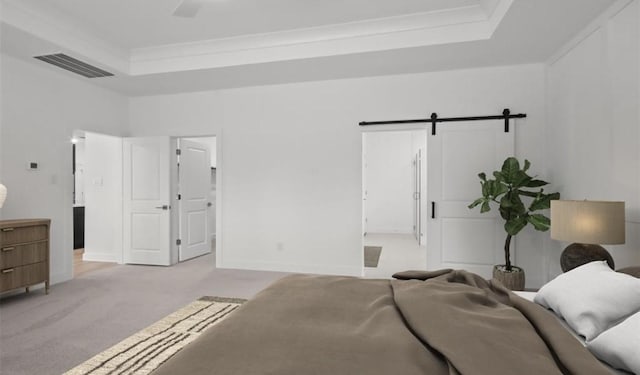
x,y
8,270
7,229
433,209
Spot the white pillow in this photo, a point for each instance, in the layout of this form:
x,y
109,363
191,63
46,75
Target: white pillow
x,y
591,298
620,346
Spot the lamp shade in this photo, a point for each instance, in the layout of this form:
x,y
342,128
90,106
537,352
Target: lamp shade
x,y
3,194
588,222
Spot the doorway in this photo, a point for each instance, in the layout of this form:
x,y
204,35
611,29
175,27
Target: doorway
x,y
394,191
89,196
120,177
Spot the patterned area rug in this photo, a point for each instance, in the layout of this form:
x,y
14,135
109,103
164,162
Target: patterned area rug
x,y
372,256
146,350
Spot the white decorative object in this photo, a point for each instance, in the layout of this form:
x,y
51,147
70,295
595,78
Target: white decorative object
x,y
591,298
620,345
3,194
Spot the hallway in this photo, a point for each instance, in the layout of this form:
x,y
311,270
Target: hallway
x,y
400,252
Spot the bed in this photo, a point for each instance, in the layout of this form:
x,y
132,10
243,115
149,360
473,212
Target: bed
x,y
440,322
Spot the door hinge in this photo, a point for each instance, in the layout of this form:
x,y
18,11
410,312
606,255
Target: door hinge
x,y
178,151
179,196
178,242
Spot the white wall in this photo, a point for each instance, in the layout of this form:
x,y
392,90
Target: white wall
x,y
40,109
291,155
103,189
593,120
389,182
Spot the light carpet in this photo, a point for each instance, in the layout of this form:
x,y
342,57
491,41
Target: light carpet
x,y
144,351
372,256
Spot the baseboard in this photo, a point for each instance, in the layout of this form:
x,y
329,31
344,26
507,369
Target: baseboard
x,y
388,231
292,268
98,257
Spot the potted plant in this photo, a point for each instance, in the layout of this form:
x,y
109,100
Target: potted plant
x,y
506,190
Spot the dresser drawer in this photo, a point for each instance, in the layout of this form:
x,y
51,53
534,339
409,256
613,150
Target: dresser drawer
x,y
19,255
16,277
18,235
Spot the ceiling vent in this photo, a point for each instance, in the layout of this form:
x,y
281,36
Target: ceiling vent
x,y
74,65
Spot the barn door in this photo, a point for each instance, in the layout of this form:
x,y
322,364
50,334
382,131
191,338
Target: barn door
x,y
458,237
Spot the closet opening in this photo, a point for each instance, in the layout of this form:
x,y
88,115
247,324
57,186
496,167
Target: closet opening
x,y
394,207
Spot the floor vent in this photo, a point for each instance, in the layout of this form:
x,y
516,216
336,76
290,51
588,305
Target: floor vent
x,y
74,65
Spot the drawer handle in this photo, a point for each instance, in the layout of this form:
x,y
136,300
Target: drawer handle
x,y
7,229
8,270
8,248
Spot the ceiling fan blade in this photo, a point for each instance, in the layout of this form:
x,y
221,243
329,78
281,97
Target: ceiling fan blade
x,y
188,8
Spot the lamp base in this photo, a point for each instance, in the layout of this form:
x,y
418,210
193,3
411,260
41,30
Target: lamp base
x,y
578,254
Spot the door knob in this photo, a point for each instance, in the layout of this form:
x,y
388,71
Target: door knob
x,y
163,207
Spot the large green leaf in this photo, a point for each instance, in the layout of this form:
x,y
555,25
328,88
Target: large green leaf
x,y
510,169
505,213
515,225
527,164
485,188
539,222
543,201
499,189
513,203
522,179
476,202
526,193
536,183
505,202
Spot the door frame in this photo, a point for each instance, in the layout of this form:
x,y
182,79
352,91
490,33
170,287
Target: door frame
x,y
386,129
120,255
69,190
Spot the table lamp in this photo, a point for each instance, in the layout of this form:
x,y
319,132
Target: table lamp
x,y
587,224
3,194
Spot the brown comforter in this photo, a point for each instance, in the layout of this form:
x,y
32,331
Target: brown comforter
x,y
452,323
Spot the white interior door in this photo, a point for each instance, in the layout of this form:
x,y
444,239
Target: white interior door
x,y
458,237
146,197
194,181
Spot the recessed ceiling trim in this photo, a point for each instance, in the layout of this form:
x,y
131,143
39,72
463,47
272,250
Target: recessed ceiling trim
x,y
464,24
416,30
226,58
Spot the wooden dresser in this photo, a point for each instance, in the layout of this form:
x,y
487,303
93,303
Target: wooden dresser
x,y
24,253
